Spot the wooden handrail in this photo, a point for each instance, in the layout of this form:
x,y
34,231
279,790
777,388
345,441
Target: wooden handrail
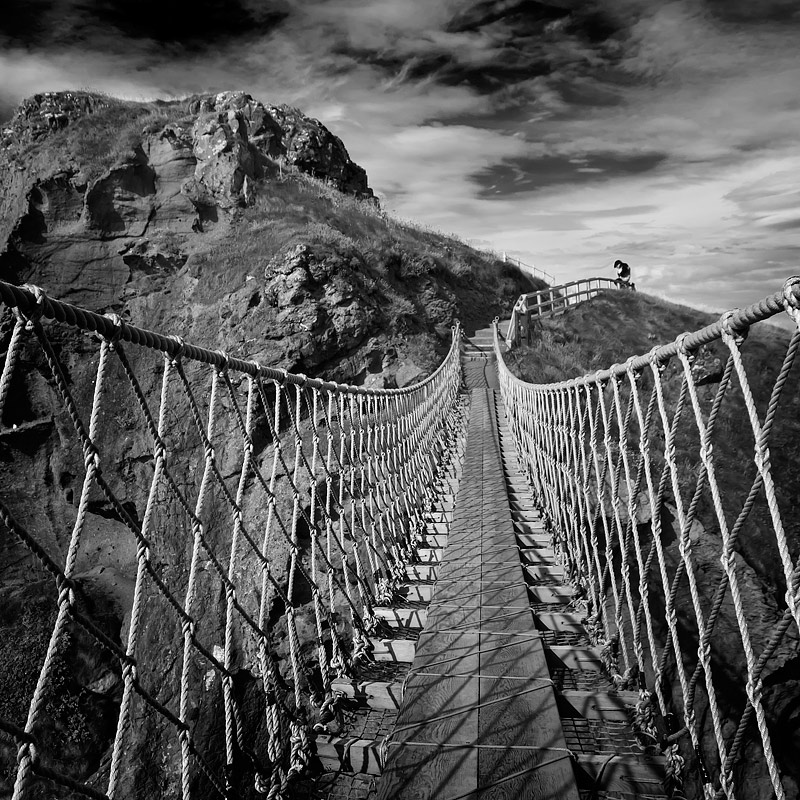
x,y
558,299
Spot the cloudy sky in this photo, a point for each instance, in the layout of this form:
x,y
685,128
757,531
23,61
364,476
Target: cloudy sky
x,y
565,132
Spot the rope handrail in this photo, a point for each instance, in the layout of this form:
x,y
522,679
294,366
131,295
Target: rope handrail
x,y
623,465
300,500
32,300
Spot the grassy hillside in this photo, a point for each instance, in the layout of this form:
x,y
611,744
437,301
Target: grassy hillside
x,y
609,329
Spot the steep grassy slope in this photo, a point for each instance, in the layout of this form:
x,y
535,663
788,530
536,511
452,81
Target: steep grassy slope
x,y
609,329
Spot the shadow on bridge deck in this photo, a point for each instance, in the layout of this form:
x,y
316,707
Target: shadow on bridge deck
x,y
501,659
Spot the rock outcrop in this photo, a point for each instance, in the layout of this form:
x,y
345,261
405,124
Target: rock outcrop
x,y
188,173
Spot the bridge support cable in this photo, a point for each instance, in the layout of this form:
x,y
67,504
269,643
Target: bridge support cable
x,y
277,513
632,471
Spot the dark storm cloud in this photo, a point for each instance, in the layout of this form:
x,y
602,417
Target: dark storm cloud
x,y
193,23
447,69
530,14
526,174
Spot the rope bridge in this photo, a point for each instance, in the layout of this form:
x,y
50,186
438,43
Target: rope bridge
x,y
631,458
278,512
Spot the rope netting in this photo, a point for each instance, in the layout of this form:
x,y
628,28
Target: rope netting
x,y
650,512
269,515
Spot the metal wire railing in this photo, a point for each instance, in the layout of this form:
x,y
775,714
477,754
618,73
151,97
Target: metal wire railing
x,y
537,272
549,302
634,469
275,513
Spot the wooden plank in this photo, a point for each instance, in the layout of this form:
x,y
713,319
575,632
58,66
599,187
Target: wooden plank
x,y
439,709
536,572
421,572
551,594
517,773
399,650
535,528
426,555
539,542
513,655
537,556
551,621
382,695
425,772
349,755
418,592
402,617
460,593
622,773
447,653
582,658
596,705
515,596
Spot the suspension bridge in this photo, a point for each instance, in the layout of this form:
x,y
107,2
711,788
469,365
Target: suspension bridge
x,y
459,589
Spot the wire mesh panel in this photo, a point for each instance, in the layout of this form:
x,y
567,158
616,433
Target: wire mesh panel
x,y
671,494
251,520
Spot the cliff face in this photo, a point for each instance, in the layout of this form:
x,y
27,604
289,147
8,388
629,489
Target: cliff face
x,y
164,171
238,226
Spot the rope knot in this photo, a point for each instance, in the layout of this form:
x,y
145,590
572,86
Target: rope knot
x,y
66,594
791,297
761,458
181,347
683,349
159,450
729,333
753,689
793,600
34,313
656,360
91,457
226,360
116,321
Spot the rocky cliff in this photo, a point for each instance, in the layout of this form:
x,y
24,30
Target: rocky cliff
x,y
239,226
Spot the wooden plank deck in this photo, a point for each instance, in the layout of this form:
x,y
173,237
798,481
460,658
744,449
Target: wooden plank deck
x,y
479,717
